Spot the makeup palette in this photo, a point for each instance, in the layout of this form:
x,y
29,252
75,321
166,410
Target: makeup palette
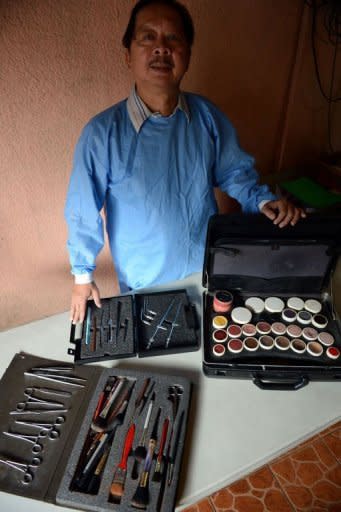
x,y
274,332
278,318
277,331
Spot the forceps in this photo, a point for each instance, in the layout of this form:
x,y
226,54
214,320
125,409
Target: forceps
x,y
55,376
36,448
173,324
48,391
160,324
35,401
45,428
23,467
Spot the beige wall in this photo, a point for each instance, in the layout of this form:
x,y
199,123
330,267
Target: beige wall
x,y
61,62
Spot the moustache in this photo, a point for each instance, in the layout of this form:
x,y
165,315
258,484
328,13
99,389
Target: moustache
x,y
163,61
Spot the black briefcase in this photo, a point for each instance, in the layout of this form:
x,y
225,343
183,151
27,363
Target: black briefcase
x,y
268,311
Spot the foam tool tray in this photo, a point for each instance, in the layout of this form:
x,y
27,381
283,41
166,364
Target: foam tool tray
x,y
145,325
92,438
268,310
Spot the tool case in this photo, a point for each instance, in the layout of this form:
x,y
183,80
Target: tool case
x,y
268,311
146,324
91,438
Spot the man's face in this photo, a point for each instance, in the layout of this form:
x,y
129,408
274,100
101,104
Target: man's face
x,y
159,53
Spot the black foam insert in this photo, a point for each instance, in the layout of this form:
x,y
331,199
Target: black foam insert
x,y
143,324
161,495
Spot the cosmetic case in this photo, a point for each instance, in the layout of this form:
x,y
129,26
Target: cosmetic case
x,y
143,325
69,435
267,310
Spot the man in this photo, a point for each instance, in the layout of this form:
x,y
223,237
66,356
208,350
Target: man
x,y
152,161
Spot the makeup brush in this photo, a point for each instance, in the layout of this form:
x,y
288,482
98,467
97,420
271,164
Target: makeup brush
x,y
174,448
117,486
141,497
140,450
118,396
161,456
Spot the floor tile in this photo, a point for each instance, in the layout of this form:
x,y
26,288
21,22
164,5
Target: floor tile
x,y
328,430
259,492
311,477
201,506
333,441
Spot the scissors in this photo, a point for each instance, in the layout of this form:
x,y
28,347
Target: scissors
x,y
36,402
33,439
174,395
23,467
51,430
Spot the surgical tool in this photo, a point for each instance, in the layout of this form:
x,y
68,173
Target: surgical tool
x,y
23,467
160,324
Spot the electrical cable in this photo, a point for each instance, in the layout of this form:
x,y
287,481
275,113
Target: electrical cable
x,y
330,11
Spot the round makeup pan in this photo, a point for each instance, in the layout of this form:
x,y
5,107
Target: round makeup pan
x,y
251,344
218,350
266,342
219,322
313,306
282,343
249,330
235,346
279,328
234,331
219,336
326,338
298,346
274,305
241,315
255,304
333,352
314,348
320,321
304,317
263,328
289,315
309,333
294,331
295,303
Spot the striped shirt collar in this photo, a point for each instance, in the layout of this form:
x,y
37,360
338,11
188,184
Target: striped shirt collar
x,y
139,112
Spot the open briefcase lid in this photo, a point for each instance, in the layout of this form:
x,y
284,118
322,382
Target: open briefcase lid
x,y
249,253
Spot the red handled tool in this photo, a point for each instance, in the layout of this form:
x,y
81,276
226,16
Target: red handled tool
x,y
117,486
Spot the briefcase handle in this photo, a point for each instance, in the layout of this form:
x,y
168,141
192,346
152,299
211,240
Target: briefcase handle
x,y
281,385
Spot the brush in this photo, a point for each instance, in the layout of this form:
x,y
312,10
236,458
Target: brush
x,y
117,486
161,456
174,448
141,497
140,451
95,460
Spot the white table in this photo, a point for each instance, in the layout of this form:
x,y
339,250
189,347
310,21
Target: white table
x,y
234,426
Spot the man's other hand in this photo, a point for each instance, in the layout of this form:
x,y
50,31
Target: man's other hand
x,y
80,294
282,212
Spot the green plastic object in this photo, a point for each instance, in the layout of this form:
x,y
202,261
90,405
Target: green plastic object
x,y
311,193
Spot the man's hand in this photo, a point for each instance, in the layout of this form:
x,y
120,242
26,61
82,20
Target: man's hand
x,y
80,294
282,212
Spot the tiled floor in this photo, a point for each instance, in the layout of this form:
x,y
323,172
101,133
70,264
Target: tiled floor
x,y
305,479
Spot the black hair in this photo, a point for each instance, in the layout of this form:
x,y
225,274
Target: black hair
x,y
174,4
